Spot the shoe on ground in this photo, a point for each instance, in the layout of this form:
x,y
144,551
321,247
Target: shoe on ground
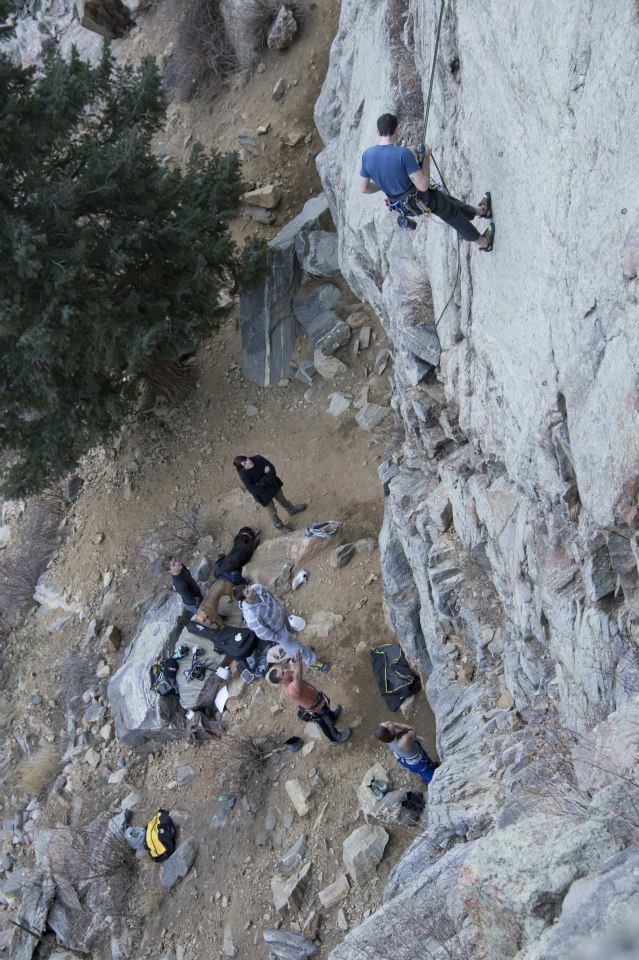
x,y
321,666
247,676
343,735
297,508
280,525
337,712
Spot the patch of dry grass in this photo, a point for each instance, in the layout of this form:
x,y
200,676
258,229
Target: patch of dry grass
x,y
235,764
36,773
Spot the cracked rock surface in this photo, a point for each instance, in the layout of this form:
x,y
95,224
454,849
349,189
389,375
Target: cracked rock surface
x,y
510,542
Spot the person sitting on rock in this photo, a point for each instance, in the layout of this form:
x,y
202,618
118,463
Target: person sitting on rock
x,y
208,613
408,749
395,170
265,616
262,482
185,585
313,704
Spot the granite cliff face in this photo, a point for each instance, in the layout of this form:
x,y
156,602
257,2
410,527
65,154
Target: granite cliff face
x,y
510,543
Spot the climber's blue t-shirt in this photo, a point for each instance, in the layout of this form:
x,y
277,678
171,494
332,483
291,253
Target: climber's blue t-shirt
x,y
389,166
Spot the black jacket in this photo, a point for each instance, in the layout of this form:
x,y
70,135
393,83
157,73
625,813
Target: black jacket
x,y
187,587
262,486
224,639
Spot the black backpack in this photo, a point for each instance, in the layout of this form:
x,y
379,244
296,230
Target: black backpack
x,y
160,836
225,640
163,675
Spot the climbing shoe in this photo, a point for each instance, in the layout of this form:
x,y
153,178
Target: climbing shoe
x,y
280,525
321,666
296,508
343,735
486,204
489,234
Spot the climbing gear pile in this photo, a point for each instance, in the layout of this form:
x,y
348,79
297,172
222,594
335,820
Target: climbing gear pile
x,y
409,205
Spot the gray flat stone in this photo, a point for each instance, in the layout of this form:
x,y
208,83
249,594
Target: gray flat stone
x,y
339,403
290,945
371,415
306,372
422,340
314,311
179,864
293,857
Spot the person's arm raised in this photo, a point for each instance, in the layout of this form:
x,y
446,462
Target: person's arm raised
x,y
297,671
421,178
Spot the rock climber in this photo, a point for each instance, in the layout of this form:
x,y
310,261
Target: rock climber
x,y
185,585
267,618
313,704
262,482
395,170
409,751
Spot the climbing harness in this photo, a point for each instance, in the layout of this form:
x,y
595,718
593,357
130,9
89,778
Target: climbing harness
x,y
409,205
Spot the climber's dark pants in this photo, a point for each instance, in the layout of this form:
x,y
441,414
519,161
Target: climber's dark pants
x,y
452,211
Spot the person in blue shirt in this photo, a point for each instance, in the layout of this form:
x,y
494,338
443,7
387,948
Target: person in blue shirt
x,y
395,170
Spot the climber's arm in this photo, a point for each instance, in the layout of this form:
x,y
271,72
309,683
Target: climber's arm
x,y
421,178
366,185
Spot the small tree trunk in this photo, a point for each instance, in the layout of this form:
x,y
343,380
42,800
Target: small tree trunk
x,y
171,378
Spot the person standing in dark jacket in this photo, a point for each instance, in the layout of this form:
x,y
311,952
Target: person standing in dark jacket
x,y
262,482
185,585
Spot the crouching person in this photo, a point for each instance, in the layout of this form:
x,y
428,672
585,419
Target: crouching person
x,y
312,703
409,752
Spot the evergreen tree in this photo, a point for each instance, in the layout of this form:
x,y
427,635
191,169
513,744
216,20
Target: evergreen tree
x,y
109,261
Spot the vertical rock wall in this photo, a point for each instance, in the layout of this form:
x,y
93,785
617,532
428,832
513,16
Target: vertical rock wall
x,y
510,544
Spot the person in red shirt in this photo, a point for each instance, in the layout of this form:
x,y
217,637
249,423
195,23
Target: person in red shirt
x,y
313,704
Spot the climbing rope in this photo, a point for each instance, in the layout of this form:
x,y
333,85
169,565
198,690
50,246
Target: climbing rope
x,y
444,184
432,73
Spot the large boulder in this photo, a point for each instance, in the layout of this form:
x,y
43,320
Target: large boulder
x,y
275,561
268,324
317,253
139,713
110,19
362,850
283,30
